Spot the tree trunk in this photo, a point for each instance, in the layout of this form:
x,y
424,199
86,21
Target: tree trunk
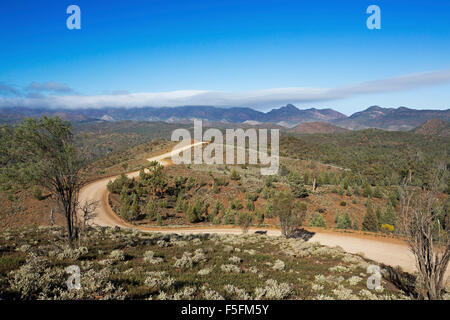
x,y
69,230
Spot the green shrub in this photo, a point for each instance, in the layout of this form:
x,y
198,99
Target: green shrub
x,y
237,205
370,222
151,210
367,190
266,192
229,217
180,183
377,192
389,216
394,199
269,181
118,184
195,211
259,217
268,210
244,220
250,205
297,186
218,206
190,183
290,213
235,175
37,193
316,220
251,196
217,220
164,204
125,211
220,181
179,203
124,198
343,221
135,209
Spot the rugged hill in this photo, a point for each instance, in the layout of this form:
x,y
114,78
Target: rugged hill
x,y
286,116
290,115
392,119
316,127
434,127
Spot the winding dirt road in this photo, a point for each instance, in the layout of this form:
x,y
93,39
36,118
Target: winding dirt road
x,y
388,251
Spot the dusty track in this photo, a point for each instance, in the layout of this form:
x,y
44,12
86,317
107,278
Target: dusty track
x,y
388,251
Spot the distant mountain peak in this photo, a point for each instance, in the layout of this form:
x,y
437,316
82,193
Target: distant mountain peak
x,y
375,108
289,106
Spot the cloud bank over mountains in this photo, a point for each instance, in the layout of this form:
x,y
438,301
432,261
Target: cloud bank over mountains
x,y
57,95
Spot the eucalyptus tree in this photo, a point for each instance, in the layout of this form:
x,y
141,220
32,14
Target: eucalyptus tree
x,y
41,152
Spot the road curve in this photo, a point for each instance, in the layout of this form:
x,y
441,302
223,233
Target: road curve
x,y
97,191
387,251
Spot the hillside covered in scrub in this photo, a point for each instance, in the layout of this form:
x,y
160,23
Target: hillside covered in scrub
x,y
228,195
146,190
124,264
338,178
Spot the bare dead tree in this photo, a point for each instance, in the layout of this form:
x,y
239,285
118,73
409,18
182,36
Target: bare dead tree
x,y
426,227
87,212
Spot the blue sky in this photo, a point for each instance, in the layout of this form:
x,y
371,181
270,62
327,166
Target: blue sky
x,y
222,49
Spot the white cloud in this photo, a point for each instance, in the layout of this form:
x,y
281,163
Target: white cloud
x,y
256,99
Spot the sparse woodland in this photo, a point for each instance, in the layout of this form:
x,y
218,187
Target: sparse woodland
x,y
369,181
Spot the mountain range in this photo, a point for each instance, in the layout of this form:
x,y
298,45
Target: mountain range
x,y
392,119
289,116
